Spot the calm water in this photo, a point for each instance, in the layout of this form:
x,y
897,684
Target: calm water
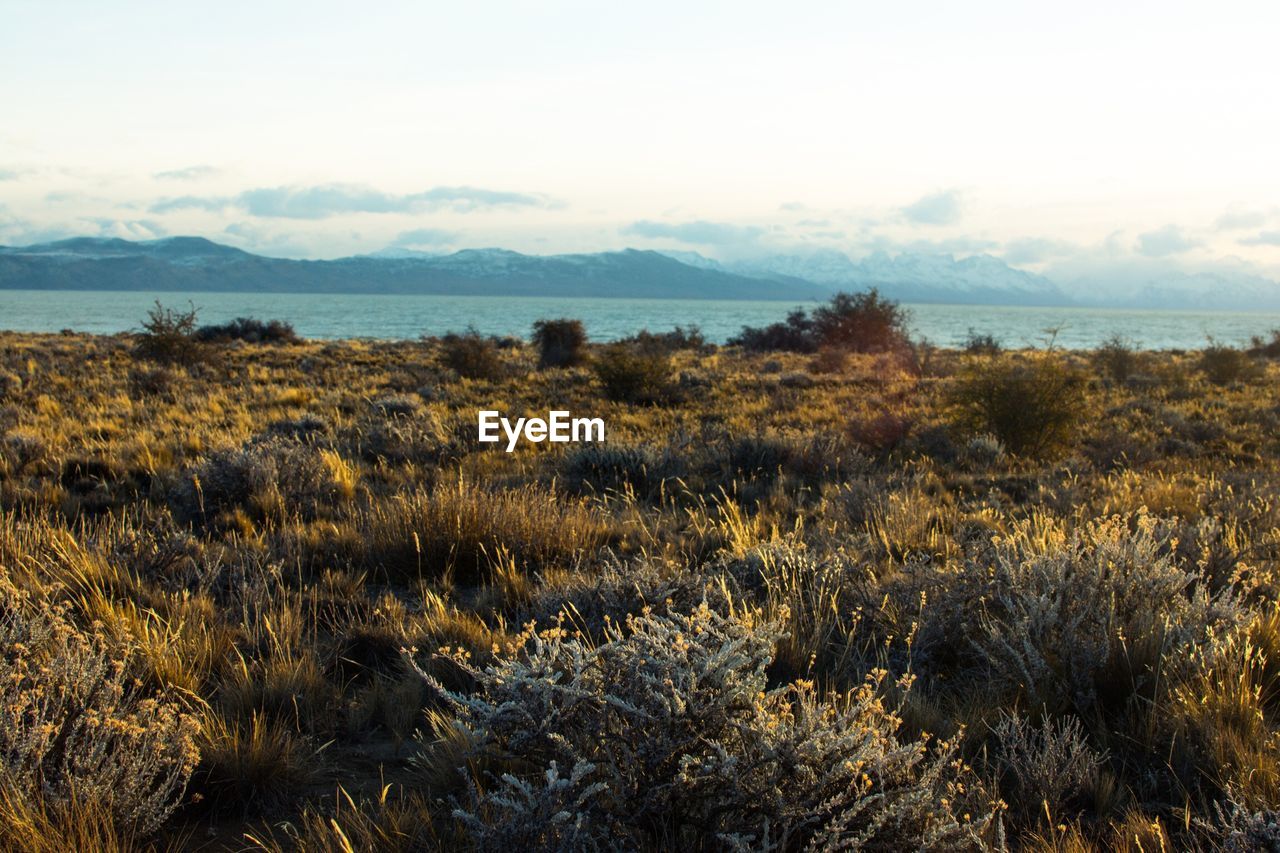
x,y
349,315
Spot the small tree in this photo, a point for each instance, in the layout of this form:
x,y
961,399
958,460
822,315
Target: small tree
x,y
561,343
861,322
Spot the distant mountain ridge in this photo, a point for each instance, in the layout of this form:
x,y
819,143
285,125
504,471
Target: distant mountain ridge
x,y
196,264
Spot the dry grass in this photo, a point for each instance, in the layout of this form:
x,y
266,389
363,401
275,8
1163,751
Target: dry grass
x,y
1047,560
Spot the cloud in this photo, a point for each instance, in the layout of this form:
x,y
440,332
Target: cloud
x,y
1035,250
129,229
326,200
1169,240
1264,238
1239,220
8,175
700,232
424,237
952,246
940,208
190,173
190,202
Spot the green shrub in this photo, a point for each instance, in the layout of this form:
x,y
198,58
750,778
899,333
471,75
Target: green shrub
x,y
630,375
560,343
1033,408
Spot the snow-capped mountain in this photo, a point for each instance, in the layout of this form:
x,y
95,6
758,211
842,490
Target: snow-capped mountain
x,y
1221,290
909,276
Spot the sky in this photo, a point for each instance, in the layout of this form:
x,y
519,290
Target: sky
x,y
1059,137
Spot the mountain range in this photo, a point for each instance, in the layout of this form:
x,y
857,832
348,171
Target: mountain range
x,y
196,264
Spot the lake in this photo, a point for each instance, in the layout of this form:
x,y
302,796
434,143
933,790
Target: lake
x,y
398,316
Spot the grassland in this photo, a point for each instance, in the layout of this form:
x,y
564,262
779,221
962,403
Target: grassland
x,y
277,596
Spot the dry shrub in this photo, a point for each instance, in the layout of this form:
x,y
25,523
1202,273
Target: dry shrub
x,y
632,375
637,468
882,432
75,729
666,735
560,343
267,478
1223,365
472,355
168,335
1117,359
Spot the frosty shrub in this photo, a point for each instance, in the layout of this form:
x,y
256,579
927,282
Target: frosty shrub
x,y
1070,619
76,729
666,735
1242,830
1044,768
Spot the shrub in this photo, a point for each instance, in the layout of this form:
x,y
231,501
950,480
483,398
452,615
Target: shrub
x,y
268,478
606,467
795,334
75,727
560,343
679,338
168,335
630,375
666,734
1069,621
1223,365
1033,409
861,322
1048,767
882,432
250,330
981,344
1116,359
1261,346
471,355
